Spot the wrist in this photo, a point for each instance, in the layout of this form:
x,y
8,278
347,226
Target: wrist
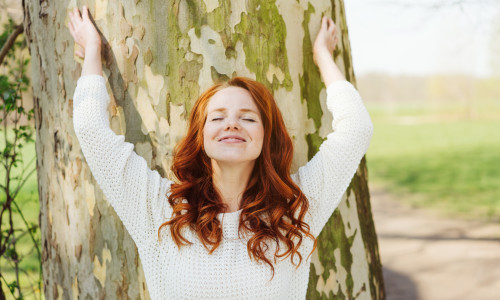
x,y
93,45
322,54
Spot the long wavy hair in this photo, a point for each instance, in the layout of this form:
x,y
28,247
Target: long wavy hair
x,y
273,206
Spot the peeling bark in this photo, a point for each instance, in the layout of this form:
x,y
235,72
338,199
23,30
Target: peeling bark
x,y
158,57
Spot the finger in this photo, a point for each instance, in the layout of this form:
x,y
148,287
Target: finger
x,y
85,13
331,25
71,28
73,18
70,14
71,22
77,15
323,23
79,53
330,22
80,50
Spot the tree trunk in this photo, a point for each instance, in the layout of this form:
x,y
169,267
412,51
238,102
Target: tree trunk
x,y
158,57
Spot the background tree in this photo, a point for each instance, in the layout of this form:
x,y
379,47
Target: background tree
x,y
158,57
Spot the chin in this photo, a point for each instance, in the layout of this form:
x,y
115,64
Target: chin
x,y
232,160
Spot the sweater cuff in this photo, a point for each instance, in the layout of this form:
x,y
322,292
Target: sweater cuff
x,y
339,86
338,89
92,84
91,79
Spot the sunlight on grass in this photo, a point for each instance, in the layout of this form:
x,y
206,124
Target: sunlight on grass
x,y
437,161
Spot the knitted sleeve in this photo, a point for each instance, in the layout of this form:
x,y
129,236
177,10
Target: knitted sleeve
x,y
325,178
135,192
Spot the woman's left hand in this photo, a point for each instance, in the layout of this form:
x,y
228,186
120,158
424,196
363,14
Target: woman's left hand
x,y
83,30
326,40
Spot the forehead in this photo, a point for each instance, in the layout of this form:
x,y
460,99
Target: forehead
x,y
231,98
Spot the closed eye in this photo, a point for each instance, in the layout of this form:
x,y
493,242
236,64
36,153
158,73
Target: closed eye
x,y
217,119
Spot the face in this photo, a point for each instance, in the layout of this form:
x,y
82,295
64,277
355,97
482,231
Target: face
x,y
233,130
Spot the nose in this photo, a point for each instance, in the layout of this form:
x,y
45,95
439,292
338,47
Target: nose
x,y
232,124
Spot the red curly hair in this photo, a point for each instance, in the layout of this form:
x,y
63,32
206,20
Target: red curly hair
x,y
273,206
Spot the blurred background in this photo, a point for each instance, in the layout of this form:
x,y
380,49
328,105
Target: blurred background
x,y
429,73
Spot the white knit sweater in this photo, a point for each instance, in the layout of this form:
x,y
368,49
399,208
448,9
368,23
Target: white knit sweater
x,y
138,195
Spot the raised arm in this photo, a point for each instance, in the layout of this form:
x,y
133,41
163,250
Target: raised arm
x,y
136,193
325,178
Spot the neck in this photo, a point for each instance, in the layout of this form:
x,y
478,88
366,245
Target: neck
x,y
231,180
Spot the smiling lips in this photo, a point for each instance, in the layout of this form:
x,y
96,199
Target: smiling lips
x,y
232,139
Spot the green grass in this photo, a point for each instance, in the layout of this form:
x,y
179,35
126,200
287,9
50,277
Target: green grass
x,y
439,158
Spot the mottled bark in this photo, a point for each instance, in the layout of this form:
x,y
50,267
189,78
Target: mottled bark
x,y
158,57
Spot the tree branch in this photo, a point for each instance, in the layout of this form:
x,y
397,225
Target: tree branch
x,y
10,41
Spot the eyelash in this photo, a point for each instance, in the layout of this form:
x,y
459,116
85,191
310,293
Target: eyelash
x,y
217,119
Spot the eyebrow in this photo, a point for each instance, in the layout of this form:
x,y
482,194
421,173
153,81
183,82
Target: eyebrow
x,y
222,109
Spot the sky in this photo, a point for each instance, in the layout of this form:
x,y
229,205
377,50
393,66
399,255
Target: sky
x,y
416,38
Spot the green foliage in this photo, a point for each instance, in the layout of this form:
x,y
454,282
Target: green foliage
x,y
19,235
431,158
8,29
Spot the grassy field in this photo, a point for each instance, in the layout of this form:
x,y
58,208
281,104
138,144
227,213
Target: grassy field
x,y
443,158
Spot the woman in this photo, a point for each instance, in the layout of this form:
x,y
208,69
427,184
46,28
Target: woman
x,y
235,224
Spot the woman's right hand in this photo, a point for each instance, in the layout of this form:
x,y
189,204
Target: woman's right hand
x,y
83,30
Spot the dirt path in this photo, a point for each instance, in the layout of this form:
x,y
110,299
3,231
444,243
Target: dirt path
x,y
426,256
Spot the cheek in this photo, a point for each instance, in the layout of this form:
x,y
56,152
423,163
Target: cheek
x,y
208,135
206,130
260,136
205,135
